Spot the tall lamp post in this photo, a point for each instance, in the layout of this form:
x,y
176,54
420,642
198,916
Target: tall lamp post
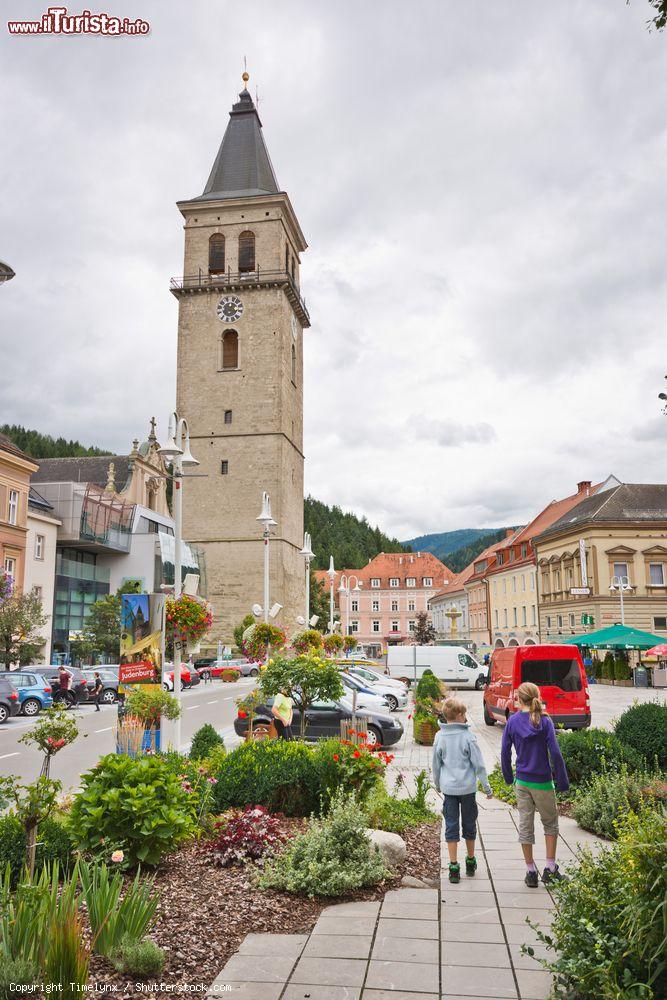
x,y
332,580
177,451
623,586
308,555
267,523
348,589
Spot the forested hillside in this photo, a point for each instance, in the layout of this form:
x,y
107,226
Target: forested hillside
x,y
44,446
349,539
461,557
444,542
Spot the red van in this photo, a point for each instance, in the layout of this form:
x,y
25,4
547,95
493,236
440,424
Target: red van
x,y
558,672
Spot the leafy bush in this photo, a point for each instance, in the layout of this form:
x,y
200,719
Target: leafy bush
x,y
608,666
16,972
607,797
213,762
644,728
306,678
278,774
111,918
502,791
244,836
137,805
428,686
143,959
608,931
622,671
54,844
147,704
588,751
342,766
229,675
203,741
333,857
386,812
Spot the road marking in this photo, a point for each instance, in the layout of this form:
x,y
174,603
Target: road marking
x,y
107,730
15,754
214,702
191,708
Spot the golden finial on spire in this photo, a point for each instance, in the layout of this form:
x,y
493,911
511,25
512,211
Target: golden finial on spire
x,y
245,75
245,78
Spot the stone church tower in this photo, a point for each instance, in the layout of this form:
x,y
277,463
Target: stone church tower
x,y
240,376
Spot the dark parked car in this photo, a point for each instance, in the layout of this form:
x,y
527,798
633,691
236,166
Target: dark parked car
x,y
9,699
109,678
323,721
78,686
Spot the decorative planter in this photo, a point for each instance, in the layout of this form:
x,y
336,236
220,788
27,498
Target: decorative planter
x,y
425,732
260,731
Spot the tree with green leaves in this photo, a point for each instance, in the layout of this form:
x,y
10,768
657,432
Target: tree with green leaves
x,y
424,633
319,603
305,679
21,619
101,627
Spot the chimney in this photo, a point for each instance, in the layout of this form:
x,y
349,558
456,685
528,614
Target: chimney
x,y
419,555
509,532
400,560
584,488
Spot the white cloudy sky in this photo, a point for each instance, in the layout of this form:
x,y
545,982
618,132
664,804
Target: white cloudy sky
x,y
482,188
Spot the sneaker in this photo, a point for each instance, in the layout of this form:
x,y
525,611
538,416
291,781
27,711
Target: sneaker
x,y
471,866
454,872
532,880
552,876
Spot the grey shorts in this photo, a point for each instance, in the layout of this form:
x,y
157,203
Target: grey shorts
x,y
544,801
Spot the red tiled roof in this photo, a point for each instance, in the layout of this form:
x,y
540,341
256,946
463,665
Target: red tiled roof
x,y
400,565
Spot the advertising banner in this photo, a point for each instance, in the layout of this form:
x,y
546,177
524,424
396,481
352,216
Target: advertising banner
x,y
141,639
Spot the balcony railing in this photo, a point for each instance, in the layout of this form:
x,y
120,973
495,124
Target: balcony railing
x,y
235,280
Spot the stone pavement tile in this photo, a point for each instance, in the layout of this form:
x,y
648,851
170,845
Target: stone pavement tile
x,y
454,897
527,962
470,914
257,969
338,946
517,934
475,933
287,945
425,929
411,911
361,908
300,992
508,873
538,901
411,896
534,985
476,955
412,976
458,980
467,885
329,972
511,915
515,886
344,925
389,949
397,995
244,991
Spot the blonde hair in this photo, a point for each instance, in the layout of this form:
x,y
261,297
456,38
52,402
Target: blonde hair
x,y
453,707
529,694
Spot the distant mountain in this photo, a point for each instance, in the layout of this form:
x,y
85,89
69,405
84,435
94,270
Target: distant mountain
x,y
462,557
349,539
449,541
44,446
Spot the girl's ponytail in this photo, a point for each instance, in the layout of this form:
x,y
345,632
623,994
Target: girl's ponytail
x,y
529,695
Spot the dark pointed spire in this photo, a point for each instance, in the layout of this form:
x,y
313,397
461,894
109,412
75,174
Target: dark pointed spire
x,y
242,166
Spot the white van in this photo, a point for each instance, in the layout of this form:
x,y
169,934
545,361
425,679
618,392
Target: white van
x,y
452,664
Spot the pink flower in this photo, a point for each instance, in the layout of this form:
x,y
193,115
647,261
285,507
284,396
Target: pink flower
x,y
117,857
212,781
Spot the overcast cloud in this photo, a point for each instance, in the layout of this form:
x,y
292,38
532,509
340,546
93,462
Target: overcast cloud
x,y
482,188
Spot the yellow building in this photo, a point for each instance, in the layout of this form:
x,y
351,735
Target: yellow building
x,y
605,560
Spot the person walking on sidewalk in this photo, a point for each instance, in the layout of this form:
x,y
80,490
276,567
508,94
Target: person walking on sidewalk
x,y
531,732
97,690
282,711
457,765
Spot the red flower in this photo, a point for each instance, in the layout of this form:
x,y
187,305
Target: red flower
x,y
242,714
336,757
356,754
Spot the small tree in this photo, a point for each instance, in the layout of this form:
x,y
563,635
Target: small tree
x,y
305,679
424,633
319,603
240,629
101,627
21,618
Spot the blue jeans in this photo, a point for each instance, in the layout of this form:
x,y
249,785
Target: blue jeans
x,y
466,807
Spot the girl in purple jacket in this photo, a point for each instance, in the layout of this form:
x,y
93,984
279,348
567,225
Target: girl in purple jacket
x,y
533,737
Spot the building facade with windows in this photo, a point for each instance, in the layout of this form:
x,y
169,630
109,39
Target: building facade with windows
x,y
476,586
16,468
450,608
40,563
392,589
617,534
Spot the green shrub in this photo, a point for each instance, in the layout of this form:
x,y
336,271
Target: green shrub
x,y
428,686
597,668
278,774
53,844
622,671
589,751
139,958
213,761
644,728
506,793
16,972
608,666
342,767
608,796
608,931
137,805
333,857
386,812
203,741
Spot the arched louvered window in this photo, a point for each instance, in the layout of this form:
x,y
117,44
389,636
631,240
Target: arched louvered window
x,y
230,350
293,271
247,251
216,253
294,364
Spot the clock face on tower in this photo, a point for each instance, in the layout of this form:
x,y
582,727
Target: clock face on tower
x,y
229,308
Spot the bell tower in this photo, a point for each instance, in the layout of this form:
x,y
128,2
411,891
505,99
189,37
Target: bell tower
x,y
240,376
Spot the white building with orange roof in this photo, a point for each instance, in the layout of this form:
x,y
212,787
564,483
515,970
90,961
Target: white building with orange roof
x,y
379,603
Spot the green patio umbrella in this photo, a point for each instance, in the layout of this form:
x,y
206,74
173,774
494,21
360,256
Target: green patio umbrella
x,y
614,637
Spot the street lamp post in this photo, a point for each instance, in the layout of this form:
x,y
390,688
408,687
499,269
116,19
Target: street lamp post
x,y
267,523
623,586
308,555
332,580
347,589
177,451
6,273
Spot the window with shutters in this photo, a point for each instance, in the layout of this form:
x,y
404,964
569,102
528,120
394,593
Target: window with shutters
x,y
224,467
216,253
230,350
228,416
247,251
13,507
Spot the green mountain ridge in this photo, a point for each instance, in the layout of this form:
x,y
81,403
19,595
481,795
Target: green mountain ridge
x,y
443,542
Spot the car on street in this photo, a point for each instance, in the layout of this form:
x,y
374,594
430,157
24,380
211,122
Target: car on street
x,y
375,675
323,720
395,694
214,668
109,677
454,665
9,700
365,698
78,686
189,677
34,691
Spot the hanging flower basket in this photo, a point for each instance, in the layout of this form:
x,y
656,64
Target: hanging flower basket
x,y
258,638
188,619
